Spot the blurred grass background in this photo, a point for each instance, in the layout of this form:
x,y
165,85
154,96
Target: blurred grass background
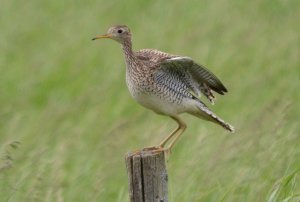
x,y
67,119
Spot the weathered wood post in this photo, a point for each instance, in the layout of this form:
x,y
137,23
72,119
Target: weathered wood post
x,y
147,176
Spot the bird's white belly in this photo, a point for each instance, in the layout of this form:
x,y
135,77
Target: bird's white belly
x,y
152,100
158,105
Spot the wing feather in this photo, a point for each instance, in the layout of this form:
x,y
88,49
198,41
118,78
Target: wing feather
x,y
195,76
199,73
202,74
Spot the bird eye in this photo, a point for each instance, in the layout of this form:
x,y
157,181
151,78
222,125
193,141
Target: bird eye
x,y
120,31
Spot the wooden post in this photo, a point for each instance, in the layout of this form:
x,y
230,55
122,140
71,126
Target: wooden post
x,y
147,176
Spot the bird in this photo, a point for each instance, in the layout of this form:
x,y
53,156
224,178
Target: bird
x,y
168,84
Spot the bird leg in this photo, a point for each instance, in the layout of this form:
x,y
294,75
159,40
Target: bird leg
x,y
176,134
181,129
165,140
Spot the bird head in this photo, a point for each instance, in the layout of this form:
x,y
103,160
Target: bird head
x,y
119,33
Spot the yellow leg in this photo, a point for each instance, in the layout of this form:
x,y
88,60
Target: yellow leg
x,y
164,141
176,133
181,129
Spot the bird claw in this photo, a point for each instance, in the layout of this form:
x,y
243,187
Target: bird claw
x,y
167,151
153,148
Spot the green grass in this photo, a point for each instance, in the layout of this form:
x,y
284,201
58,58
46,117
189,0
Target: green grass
x,y
67,120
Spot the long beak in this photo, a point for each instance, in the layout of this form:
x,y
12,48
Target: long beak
x,y
102,37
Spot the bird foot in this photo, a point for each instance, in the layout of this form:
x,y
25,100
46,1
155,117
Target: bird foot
x,y
159,148
153,148
148,149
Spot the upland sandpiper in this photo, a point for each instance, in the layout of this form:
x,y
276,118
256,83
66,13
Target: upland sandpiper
x,y
168,84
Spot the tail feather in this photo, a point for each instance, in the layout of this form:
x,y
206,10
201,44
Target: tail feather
x,y
205,113
223,123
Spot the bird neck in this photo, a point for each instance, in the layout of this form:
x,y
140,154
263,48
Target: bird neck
x,y
130,58
127,49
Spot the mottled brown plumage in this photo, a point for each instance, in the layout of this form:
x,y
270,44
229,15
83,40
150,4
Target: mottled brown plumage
x,y
168,84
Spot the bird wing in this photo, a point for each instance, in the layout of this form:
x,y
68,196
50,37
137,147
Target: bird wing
x,y
196,77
